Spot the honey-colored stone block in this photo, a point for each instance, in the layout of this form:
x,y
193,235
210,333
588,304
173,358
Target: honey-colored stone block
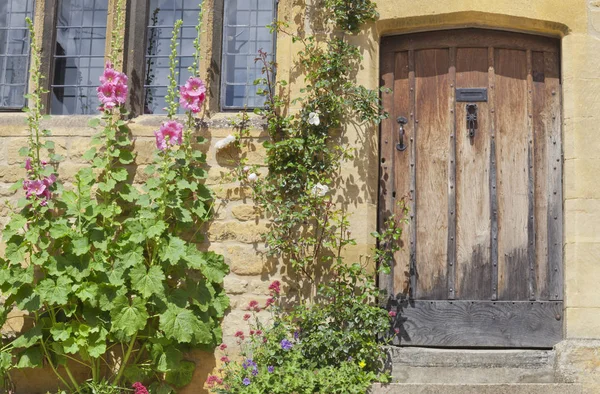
x,y
246,232
232,192
235,285
583,323
78,146
246,260
582,220
582,274
145,148
245,212
11,173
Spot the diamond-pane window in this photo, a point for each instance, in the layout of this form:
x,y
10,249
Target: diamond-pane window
x,y
162,16
78,56
244,34
14,52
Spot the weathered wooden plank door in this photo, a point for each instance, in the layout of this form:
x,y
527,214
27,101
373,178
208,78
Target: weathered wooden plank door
x,y
477,160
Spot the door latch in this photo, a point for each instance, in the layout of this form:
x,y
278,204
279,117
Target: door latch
x,y
401,145
472,119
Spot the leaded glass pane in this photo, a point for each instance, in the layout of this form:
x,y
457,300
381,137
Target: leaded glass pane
x,y
14,52
244,34
78,56
162,17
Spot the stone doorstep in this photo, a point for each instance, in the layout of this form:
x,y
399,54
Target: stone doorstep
x,y
512,388
459,366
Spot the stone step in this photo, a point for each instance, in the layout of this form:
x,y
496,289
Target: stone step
x,y
460,366
512,388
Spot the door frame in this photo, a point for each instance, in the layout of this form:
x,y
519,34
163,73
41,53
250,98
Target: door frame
x,y
501,333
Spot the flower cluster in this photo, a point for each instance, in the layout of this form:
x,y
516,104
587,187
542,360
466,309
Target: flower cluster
x,y
170,133
38,188
192,95
213,380
113,89
139,388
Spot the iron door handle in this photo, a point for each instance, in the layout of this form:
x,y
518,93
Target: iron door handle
x,y
401,145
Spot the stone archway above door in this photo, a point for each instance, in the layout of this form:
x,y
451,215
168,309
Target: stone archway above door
x,y
480,167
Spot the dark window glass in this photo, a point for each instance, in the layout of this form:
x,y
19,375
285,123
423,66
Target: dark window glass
x,y
244,34
14,52
162,17
78,56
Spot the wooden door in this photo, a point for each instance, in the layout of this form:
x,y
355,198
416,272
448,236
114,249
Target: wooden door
x,y
479,166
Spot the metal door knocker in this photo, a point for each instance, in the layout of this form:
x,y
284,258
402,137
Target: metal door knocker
x,y
401,145
471,119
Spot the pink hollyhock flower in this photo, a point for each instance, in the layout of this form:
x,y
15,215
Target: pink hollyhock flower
x,y
120,92
34,188
189,102
106,94
392,313
110,75
195,87
28,165
139,388
171,129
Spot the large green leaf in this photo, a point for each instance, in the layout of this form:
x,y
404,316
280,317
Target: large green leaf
x,y
182,376
30,358
129,317
174,250
55,292
29,338
148,282
183,326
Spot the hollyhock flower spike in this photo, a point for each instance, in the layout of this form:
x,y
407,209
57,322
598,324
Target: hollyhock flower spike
x,y
113,89
192,95
170,133
195,87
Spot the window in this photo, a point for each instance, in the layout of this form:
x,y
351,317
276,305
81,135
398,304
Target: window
x,y
74,40
162,17
244,34
14,52
78,56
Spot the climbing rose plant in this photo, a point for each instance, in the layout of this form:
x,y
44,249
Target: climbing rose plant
x,y
108,273
329,335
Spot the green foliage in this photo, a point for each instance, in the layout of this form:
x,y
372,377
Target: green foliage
x,y
351,14
110,274
333,341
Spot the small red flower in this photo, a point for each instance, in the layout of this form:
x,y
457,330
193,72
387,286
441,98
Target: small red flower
x,y
247,317
139,388
270,301
259,332
252,332
225,359
397,330
240,335
392,313
223,346
275,287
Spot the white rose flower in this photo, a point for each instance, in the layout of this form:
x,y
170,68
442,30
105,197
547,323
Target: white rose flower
x,y
320,190
313,119
252,177
225,142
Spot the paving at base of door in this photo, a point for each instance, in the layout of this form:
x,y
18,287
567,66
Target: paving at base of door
x,y
572,367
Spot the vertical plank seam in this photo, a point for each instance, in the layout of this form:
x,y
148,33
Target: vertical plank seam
x,y
413,175
531,245
392,172
493,180
384,208
451,252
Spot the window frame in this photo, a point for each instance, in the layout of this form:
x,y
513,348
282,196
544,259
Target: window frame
x,y
134,59
223,60
26,55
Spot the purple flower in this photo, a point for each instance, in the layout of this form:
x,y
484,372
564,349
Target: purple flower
x,y
286,345
254,372
246,381
296,335
270,368
249,363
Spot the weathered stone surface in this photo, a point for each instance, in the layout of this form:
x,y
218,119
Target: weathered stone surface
x,y
78,146
245,260
145,149
583,323
514,388
235,285
245,212
421,365
579,361
246,232
232,192
11,173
